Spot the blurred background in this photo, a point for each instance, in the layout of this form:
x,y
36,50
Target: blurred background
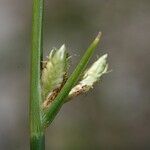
x,y
113,116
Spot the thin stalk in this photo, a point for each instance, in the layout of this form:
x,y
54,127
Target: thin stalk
x,y
52,111
37,139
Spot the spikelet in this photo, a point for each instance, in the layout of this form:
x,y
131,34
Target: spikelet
x,y
91,76
54,72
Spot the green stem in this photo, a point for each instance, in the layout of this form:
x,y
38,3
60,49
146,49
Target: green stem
x,y
37,143
51,112
36,130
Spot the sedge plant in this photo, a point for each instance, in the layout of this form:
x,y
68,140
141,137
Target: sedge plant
x,y
50,86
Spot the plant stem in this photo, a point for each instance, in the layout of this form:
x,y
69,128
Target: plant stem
x,y
37,140
52,111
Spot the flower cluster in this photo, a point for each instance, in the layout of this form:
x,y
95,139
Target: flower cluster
x,y
54,75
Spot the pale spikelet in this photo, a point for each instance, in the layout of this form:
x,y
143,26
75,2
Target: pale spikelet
x,y
91,76
54,71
